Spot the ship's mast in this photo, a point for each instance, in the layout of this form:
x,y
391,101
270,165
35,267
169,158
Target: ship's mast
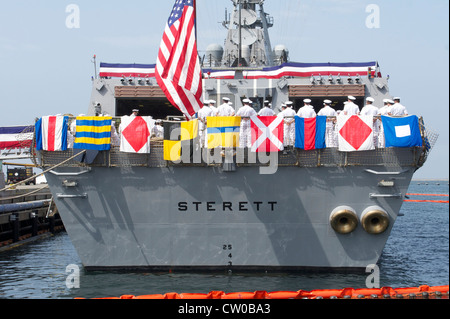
x,y
248,42
267,45
240,34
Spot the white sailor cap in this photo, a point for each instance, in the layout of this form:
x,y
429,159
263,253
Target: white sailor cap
x,y
396,98
385,100
390,101
351,97
225,98
212,102
307,100
246,101
370,99
327,101
135,110
266,101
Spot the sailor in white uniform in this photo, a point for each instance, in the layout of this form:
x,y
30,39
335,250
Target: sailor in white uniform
x,y
158,129
330,136
266,110
134,113
202,114
212,106
281,109
369,108
245,132
289,124
386,111
372,110
225,109
72,132
351,108
387,108
115,138
398,109
307,111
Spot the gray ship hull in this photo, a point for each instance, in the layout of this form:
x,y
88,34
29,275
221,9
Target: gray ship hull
x,y
205,218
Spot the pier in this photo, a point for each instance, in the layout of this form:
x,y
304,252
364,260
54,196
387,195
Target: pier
x,y
27,213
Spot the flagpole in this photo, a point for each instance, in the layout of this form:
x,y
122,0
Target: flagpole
x,y
196,38
195,18
195,23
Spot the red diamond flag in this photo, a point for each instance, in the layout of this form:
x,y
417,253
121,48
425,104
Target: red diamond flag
x,y
267,133
355,133
135,134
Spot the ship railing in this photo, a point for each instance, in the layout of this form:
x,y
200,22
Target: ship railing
x,y
241,157
328,157
429,139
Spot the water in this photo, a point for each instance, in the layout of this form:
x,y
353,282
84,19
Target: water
x,y
416,253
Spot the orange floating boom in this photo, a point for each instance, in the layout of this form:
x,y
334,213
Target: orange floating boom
x,y
412,194
421,292
426,201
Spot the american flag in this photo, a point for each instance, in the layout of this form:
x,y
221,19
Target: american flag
x,y
178,71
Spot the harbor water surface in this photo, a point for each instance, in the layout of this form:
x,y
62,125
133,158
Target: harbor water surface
x,y
417,253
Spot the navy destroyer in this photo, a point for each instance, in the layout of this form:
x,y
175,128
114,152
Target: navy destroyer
x,y
320,209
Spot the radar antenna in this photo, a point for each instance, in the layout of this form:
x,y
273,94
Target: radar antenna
x,y
248,42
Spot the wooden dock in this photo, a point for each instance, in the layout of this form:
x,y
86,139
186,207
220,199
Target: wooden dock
x,y
27,212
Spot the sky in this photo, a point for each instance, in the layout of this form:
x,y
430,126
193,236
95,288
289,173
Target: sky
x,y
47,49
